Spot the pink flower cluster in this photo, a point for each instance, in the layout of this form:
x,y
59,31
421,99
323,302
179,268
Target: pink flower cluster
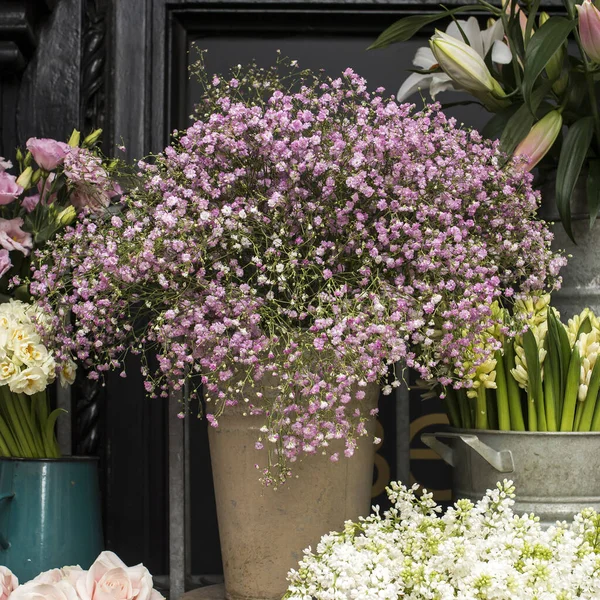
x,y
314,237
109,578
40,201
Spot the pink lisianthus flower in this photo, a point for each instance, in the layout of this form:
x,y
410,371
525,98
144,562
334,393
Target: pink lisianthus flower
x,y
9,188
30,202
47,153
5,164
5,265
12,237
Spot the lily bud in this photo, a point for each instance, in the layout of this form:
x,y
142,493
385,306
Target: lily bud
x,y
589,29
463,65
540,139
24,179
92,138
74,139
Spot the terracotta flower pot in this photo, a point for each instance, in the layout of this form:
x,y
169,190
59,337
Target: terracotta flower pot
x,y
263,531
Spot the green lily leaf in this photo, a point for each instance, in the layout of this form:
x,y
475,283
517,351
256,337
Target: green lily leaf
x,y
404,29
541,48
572,155
593,190
519,124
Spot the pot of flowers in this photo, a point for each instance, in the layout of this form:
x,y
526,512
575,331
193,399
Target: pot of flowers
x,y
545,106
38,486
478,549
299,238
531,413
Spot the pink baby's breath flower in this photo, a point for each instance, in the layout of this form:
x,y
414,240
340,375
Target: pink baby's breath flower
x,y
307,239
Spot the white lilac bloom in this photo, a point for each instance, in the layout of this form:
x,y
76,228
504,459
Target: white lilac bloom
x,y
481,41
482,550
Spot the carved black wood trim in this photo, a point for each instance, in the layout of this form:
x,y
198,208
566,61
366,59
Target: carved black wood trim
x,y
93,65
19,22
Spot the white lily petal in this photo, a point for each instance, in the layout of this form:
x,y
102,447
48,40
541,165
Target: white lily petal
x,y
424,58
412,84
440,82
492,34
501,53
471,30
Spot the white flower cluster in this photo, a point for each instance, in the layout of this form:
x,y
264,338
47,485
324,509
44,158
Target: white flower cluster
x,y
482,551
26,365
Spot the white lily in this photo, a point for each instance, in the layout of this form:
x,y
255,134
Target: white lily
x,y
481,41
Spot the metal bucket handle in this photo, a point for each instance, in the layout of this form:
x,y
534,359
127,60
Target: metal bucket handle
x,y
501,460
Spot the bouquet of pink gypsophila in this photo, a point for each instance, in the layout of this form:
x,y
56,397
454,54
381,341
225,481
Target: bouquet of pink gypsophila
x,y
304,229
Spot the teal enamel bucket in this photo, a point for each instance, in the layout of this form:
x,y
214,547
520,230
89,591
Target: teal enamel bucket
x,y
49,514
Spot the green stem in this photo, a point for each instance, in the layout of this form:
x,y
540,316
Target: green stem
x,y
517,421
550,402
571,389
481,418
465,409
578,415
589,406
492,409
532,424
16,424
451,405
34,437
7,436
502,394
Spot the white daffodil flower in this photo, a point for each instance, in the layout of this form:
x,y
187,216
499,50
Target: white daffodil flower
x,y
481,41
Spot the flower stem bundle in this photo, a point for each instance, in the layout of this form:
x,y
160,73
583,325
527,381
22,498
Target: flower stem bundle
x,y
547,379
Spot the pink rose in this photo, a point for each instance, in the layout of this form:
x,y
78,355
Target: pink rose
x,y
47,153
12,237
60,590
110,579
8,583
30,202
9,188
5,265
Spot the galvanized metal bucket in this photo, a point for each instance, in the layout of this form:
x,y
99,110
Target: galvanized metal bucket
x,y
556,474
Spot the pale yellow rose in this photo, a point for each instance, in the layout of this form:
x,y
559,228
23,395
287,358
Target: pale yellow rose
x,y
67,373
30,353
8,370
29,381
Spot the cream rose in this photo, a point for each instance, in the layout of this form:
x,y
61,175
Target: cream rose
x,y
29,381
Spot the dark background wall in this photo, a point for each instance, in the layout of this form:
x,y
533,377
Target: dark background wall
x,y
122,65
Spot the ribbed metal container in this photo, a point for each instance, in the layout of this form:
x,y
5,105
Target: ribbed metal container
x,y
556,474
